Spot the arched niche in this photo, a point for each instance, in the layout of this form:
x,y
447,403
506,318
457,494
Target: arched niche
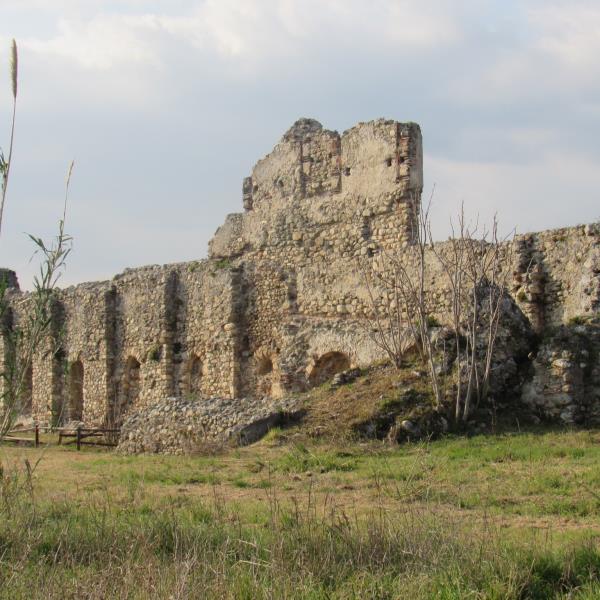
x,y
266,380
131,385
326,366
75,388
27,392
195,370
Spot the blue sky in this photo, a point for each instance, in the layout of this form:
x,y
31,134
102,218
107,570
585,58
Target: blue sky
x,y
166,105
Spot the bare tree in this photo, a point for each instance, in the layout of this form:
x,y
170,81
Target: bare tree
x,y
476,265
387,323
401,314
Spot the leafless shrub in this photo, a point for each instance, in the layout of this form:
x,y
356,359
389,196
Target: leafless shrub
x,y
401,315
476,265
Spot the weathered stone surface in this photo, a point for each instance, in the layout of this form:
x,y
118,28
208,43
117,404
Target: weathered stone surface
x,y
281,302
565,386
344,377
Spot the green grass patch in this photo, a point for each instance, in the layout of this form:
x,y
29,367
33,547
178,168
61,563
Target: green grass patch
x,y
504,516
300,459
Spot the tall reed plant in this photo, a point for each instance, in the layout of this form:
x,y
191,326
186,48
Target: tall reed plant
x,y
29,332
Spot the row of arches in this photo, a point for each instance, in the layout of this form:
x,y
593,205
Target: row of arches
x,y
71,406
321,370
132,382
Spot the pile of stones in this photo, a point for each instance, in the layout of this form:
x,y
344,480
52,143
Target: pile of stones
x,y
183,425
345,377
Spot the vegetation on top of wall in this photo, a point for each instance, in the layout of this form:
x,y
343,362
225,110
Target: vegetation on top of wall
x,y
223,263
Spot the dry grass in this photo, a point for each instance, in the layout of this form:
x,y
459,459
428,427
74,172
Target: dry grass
x,y
549,479
335,414
512,516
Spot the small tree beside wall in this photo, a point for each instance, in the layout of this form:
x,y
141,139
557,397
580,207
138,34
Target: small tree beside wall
x,y
473,269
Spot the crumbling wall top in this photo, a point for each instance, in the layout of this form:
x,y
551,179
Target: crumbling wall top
x,y
9,278
302,130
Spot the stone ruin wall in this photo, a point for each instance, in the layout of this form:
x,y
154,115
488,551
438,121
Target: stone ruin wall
x,y
149,333
312,207
280,302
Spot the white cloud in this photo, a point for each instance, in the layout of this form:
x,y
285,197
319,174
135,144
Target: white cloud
x,y
507,94
569,33
553,52
246,30
100,43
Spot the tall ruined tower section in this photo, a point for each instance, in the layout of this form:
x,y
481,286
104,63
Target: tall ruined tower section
x,y
376,165
315,207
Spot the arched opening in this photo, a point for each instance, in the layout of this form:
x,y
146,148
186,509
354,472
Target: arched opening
x,y
76,391
59,404
327,366
131,385
27,392
265,365
194,383
264,370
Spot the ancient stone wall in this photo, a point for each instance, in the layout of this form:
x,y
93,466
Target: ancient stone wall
x,y
315,206
150,332
281,301
557,274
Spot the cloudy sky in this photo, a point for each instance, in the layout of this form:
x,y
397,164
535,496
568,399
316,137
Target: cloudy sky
x,y
165,105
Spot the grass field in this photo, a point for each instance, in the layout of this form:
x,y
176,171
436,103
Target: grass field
x,y
504,516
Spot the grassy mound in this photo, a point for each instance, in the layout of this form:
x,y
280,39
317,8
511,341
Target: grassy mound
x,y
376,405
